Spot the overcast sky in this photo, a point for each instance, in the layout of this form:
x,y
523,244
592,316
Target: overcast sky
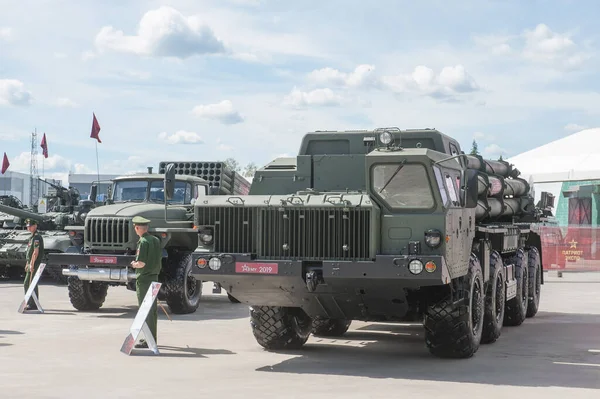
x,y
208,79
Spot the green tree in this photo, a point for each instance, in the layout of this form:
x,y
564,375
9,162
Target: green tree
x,y
232,164
250,170
474,148
500,159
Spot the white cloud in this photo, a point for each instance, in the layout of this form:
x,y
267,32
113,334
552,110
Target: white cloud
x,y
12,92
450,82
222,112
181,137
539,45
363,76
163,32
574,127
498,45
493,151
318,97
479,136
222,146
543,44
54,162
80,168
65,103
6,33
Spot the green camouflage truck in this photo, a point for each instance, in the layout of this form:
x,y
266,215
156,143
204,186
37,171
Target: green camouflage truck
x,y
386,225
105,244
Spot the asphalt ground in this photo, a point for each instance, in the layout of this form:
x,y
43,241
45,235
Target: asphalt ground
x,y
212,353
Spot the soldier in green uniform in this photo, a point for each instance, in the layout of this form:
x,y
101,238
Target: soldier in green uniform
x,y
147,265
35,253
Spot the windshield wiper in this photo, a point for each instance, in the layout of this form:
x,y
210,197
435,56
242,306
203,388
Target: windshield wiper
x,y
391,177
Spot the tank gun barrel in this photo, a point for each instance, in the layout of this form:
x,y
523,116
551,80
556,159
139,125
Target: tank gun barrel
x,y
22,213
56,186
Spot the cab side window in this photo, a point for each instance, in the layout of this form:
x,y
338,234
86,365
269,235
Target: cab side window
x,y
452,189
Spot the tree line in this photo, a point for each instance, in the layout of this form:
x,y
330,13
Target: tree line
x,y
475,150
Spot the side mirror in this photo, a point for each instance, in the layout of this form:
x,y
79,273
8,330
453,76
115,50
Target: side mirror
x,y
169,184
472,188
93,192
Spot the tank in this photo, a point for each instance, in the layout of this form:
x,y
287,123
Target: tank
x,y
7,220
65,209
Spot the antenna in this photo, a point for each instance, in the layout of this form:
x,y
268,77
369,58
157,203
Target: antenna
x,y
34,185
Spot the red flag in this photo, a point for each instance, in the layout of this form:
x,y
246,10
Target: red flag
x,y
44,146
5,163
95,129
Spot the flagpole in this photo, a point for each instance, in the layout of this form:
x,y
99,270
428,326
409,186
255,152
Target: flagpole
x,y
97,164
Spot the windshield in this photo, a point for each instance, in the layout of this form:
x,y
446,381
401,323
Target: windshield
x,y
130,190
181,195
137,190
403,185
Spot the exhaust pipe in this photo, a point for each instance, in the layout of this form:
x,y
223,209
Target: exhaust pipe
x,y
101,274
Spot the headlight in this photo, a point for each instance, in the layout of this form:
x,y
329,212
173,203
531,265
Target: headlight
x,y
214,263
386,138
206,236
433,238
415,266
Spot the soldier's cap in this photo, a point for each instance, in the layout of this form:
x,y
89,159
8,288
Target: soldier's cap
x,y
30,222
140,220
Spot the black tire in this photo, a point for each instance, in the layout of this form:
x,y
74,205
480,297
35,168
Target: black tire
x,y
183,292
86,295
323,327
232,299
516,308
534,281
495,301
277,327
453,326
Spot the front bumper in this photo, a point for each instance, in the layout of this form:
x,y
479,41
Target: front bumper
x,y
94,260
351,290
94,267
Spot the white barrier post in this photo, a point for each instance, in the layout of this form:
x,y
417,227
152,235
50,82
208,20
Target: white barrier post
x,y
139,323
30,291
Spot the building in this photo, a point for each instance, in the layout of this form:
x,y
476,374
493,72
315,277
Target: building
x,y
83,183
561,167
18,184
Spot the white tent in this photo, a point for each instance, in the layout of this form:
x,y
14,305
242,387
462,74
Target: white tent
x,y
572,158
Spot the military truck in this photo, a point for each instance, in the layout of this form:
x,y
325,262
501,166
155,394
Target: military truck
x,y
109,242
64,206
385,225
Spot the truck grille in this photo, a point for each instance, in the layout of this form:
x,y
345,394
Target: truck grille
x,y
233,228
107,232
315,234
291,233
